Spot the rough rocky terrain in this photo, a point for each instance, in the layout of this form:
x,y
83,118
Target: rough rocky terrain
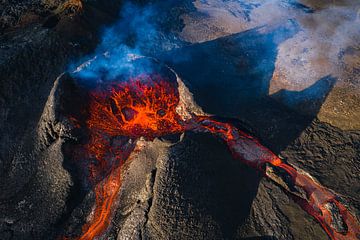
x,y
288,70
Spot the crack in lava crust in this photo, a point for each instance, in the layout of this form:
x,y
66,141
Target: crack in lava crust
x,y
142,107
146,106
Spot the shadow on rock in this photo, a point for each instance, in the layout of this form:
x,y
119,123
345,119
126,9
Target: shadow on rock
x,y
201,184
230,77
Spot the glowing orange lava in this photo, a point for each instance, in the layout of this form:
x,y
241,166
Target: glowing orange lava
x,y
141,107
319,202
145,106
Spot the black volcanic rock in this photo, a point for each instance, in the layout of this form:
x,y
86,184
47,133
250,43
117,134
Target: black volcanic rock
x,y
187,189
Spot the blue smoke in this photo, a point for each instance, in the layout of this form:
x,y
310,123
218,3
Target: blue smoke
x,y
134,35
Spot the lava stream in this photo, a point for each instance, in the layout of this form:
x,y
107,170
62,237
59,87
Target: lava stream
x,y
316,200
146,106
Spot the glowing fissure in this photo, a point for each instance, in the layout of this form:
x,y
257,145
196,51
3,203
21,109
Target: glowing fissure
x,y
145,106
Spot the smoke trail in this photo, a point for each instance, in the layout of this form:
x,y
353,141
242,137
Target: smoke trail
x,y
135,34
326,45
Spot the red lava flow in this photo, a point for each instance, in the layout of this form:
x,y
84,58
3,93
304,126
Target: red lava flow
x,y
145,106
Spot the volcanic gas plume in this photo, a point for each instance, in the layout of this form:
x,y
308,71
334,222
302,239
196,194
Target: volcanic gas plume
x,y
148,105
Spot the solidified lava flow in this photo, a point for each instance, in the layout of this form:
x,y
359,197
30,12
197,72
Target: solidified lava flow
x,y
146,106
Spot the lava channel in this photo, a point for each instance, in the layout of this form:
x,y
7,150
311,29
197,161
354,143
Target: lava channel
x,y
121,112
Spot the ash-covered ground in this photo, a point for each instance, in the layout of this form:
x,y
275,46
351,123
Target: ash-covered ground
x,y
287,70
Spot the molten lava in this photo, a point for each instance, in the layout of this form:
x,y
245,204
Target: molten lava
x,y
146,106
120,113
317,200
141,107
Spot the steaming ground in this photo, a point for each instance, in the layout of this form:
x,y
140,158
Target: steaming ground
x,y
190,188
326,44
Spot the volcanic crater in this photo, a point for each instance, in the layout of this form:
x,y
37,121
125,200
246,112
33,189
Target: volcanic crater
x,y
117,118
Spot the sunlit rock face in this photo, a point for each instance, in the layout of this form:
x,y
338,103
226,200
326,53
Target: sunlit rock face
x,y
324,46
